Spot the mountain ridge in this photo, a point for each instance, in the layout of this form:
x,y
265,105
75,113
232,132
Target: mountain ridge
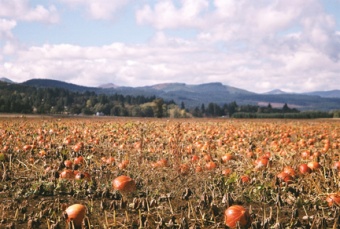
x,y
6,80
326,94
276,92
108,85
215,92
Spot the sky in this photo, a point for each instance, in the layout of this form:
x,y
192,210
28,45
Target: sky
x,y
292,45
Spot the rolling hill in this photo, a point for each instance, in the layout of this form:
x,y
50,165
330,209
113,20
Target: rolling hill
x,y
196,95
6,80
326,94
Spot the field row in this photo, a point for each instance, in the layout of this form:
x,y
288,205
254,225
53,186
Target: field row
x,y
173,173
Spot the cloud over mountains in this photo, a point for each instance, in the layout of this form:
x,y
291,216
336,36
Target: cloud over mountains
x,y
256,45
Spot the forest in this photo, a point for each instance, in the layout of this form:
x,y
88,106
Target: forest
x,y
23,99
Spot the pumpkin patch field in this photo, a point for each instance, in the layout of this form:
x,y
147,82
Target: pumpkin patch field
x,y
88,172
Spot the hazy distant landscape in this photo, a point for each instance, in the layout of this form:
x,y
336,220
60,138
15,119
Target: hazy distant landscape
x,y
176,100
196,95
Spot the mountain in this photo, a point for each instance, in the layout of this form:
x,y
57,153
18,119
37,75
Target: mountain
x,y
196,95
276,92
108,85
4,79
207,88
326,94
323,94
41,83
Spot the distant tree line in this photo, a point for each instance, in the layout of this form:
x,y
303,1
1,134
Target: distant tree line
x,y
301,115
254,111
16,98
231,109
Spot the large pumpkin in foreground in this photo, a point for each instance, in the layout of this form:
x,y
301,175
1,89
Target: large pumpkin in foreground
x,y
124,184
237,215
76,213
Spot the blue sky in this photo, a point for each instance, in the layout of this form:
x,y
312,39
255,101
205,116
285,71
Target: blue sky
x,y
255,45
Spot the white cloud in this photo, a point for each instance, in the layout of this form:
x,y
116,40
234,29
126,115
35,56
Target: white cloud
x,y
12,13
255,45
253,22
8,43
6,27
320,32
98,9
166,14
21,10
176,60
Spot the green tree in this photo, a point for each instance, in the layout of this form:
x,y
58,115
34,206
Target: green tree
x,y
182,106
285,108
159,108
197,112
148,111
232,108
203,108
86,111
136,111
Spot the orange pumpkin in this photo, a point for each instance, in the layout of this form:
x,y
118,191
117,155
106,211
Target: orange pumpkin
x,y
333,199
124,184
236,215
304,169
76,213
210,165
313,165
285,177
67,174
